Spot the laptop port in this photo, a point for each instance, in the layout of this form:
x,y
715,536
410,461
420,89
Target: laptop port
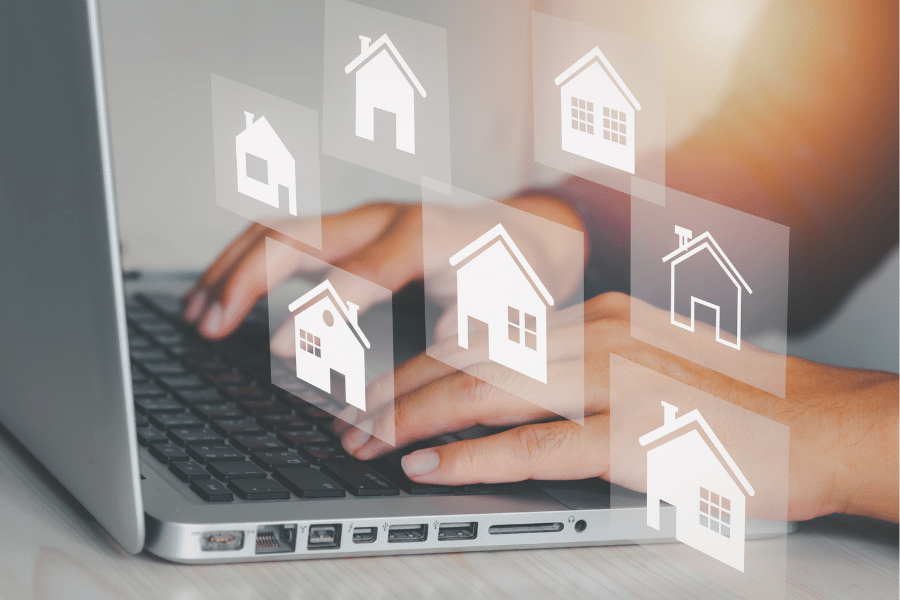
x,y
217,541
457,531
365,535
407,533
322,537
275,539
525,528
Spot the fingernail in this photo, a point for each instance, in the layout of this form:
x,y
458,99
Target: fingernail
x,y
354,439
420,462
213,321
195,307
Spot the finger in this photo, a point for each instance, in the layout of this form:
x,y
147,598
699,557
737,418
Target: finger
x,y
196,298
234,293
555,450
460,401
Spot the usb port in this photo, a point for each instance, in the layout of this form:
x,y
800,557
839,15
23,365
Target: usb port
x,y
364,535
322,537
407,533
457,531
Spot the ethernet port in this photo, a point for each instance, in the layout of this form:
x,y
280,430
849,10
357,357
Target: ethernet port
x,y
275,539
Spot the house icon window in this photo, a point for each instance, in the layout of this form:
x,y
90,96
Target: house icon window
x,y
590,84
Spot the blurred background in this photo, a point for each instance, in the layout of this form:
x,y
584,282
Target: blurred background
x,y
160,55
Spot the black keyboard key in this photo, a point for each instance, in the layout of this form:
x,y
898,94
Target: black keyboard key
x,y
244,392
226,378
148,390
295,439
226,470
485,488
207,453
183,382
259,489
171,339
208,412
268,406
138,342
140,354
188,470
165,452
138,378
180,420
229,427
391,466
157,405
286,422
316,453
315,413
165,367
140,421
150,435
359,478
207,396
249,443
309,483
183,437
211,490
272,459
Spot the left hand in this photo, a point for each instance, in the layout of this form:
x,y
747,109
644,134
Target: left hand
x,y
829,452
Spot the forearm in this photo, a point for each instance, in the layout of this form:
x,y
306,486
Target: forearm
x,y
870,483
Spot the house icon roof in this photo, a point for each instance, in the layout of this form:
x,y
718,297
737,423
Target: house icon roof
x,y
594,55
326,289
499,234
383,43
694,421
686,249
261,130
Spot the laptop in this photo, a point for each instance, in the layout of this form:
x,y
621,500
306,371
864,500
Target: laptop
x,y
177,445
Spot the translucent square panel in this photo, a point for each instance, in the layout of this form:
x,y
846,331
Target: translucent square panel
x,y
704,472
507,289
585,75
710,284
332,336
267,158
385,102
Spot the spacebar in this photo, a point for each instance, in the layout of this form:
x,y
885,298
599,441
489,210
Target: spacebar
x,y
359,478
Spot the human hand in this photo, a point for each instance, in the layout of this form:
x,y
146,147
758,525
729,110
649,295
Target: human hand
x,y
843,422
380,242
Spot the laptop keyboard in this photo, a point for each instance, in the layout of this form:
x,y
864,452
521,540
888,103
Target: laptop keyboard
x,y
209,412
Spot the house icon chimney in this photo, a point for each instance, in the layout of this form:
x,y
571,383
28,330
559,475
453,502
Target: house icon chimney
x,y
248,119
669,411
364,43
353,313
684,236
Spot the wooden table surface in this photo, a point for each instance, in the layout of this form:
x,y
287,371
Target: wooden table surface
x,y
50,548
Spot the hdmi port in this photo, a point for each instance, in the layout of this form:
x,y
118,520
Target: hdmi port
x,y
526,528
407,533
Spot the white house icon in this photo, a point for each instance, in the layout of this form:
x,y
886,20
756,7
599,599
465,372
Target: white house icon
x,y
385,81
597,112
699,289
329,342
688,467
266,170
497,286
